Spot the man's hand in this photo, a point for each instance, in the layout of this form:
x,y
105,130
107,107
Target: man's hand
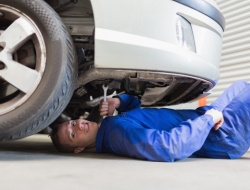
x,y
217,118
108,108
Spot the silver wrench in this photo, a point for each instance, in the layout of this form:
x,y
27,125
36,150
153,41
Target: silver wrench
x,y
105,88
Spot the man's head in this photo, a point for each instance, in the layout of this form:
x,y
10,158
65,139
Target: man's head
x,y
74,135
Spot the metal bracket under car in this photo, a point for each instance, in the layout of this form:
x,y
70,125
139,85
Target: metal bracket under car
x,y
153,88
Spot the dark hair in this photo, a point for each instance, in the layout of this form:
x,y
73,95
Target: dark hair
x,y
56,141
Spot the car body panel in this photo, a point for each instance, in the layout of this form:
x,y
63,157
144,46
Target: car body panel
x,y
130,38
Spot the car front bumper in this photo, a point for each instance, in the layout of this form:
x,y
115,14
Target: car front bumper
x,y
130,36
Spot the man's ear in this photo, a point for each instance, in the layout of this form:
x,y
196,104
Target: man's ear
x,y
78,150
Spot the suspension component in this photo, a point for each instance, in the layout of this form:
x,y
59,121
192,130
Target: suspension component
x,y
65,4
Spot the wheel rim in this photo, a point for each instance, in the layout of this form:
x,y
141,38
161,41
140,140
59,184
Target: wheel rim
x,y
20,72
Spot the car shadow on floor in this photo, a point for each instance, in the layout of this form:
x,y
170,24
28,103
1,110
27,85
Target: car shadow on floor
x,y
26,149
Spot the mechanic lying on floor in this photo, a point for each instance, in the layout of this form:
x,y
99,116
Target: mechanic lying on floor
x,y
221,130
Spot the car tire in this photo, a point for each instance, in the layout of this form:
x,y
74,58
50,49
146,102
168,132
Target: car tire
x,y
30,109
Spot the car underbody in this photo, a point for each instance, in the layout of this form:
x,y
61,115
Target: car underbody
x,y
153,88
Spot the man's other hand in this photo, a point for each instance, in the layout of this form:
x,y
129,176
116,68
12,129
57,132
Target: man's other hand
x,y
108,108
217,118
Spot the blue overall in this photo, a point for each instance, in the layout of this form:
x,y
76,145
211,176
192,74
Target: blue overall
x,y
161,134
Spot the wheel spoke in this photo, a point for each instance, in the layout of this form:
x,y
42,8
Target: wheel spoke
x,y
22,77
16,35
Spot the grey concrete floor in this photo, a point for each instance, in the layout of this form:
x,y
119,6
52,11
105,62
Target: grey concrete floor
x,y
33,163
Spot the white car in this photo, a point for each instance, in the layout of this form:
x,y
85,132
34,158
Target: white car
x,y
55,56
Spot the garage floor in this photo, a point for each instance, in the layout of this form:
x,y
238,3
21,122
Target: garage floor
x,y
33,163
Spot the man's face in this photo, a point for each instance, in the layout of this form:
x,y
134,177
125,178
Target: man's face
x,y
78,133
